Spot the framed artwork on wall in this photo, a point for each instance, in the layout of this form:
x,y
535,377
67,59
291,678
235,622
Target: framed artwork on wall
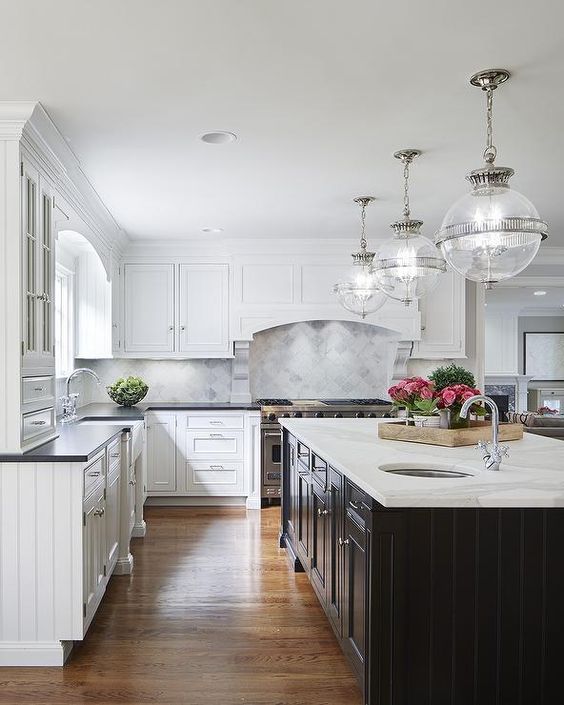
x,y
544,355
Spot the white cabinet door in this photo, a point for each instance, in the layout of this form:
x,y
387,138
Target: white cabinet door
x,y
161,453
94,553
149,307
204,310
112,518
116,308
38,268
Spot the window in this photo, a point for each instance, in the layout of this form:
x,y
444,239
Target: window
x,y
64,328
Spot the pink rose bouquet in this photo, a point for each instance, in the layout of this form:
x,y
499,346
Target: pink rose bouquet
x,y
415,393
453,398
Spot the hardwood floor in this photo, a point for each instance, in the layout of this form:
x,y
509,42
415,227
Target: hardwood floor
x,y
211,616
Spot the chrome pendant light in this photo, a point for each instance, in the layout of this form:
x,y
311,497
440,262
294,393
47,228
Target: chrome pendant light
x,y
358,291
493,232
408,265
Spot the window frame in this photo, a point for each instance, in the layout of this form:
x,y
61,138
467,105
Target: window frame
x,y
64,307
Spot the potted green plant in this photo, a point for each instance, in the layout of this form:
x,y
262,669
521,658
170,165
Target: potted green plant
x,y
449,375
127,391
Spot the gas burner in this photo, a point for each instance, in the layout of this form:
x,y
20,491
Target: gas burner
x,y
273,402
356,402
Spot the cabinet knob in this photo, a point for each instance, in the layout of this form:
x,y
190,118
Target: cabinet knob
x,y
132,482
182,327
99,512
322,512
343,543
171,327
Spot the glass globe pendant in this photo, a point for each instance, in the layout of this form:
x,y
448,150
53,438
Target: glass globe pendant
x,y
358,291
409,265
493,232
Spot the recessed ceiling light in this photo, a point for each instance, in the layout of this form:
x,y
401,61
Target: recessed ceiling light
x,y
539,293
212,230
218,137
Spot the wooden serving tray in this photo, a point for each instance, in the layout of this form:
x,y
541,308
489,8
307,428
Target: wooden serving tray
x,y
477,431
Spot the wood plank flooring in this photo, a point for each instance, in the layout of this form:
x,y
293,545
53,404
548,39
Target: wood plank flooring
x,y
211,616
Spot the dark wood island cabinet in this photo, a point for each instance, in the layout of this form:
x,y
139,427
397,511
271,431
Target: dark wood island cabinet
x,y
430,606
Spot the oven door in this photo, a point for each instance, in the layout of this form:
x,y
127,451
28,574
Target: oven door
x,y
271,461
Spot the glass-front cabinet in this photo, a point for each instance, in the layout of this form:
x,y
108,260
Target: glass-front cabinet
x,y
38,266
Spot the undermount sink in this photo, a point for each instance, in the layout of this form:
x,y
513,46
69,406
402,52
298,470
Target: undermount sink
x,y
426,470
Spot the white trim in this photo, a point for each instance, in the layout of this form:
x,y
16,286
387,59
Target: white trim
x,y
34,653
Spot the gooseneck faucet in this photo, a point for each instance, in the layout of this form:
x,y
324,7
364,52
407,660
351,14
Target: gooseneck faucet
x,y
493,453
69,400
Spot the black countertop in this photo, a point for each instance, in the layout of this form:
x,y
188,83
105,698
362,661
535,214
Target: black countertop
x,y
113,411
77,443
80,442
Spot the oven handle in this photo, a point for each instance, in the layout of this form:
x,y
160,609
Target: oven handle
x,y
272,433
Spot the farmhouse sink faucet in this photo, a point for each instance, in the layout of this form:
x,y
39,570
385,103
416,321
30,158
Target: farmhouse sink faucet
x,y
69,400
491,453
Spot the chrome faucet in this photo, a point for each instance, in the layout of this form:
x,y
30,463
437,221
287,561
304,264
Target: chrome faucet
x,y
69,400
492,453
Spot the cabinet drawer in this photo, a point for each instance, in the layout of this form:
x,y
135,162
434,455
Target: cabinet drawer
x,y
357,503
217,422
214,443
114,457
215,478
319,470
38,389
94,473
38,423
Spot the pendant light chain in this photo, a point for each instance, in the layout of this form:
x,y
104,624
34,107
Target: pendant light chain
x,y
490,152
406,210
363,227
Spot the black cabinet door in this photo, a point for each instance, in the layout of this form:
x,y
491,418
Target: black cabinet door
x,y
292,492
335,551
303,517
318,545
354,612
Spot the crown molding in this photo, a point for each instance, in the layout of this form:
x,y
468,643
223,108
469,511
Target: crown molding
x,y
29,123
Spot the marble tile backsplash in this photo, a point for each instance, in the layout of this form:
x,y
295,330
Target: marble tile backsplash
x,y
322,359
168,380
315,359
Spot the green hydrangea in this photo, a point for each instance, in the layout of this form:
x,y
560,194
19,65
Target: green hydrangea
x,y
127,391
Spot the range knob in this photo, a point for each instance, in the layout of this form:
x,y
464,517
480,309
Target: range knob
x,y
272,416
338,415
319,414
286,415
359,414
297,414
372,415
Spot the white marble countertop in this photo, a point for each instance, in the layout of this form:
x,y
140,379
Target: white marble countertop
x,y
532,475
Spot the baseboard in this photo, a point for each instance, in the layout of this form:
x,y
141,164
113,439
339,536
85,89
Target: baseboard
x,y
34,653
139,530
124,566
253,503
195,502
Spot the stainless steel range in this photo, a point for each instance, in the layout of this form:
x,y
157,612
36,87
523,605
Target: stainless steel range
x,y
273,409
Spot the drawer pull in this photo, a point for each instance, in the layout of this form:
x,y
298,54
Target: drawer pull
x,y
94,473
216,435
114,455
354,505
343,543
216,423
99,512
322,512
37,423
38,389
217,467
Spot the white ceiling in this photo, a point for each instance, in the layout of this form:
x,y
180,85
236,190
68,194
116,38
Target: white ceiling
x,y
319,92
523,300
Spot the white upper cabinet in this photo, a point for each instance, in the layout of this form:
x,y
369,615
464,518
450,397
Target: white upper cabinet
x,y
204,310
149,308
38,269
175,310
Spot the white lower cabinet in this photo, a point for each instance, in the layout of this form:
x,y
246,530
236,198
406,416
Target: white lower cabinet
x,y
215,455
113,490
161,452
94,563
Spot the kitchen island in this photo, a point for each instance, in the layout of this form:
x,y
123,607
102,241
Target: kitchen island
x,y
439,590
